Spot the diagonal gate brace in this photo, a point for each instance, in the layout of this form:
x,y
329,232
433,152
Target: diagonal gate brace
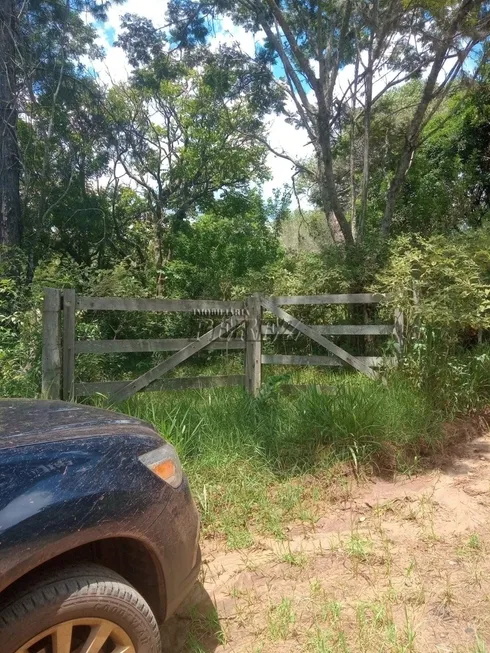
x,y
314,335
179,357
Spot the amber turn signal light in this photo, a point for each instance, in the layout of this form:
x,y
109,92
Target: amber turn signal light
x,y
164,462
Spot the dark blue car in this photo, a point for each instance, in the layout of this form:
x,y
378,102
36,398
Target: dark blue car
x,y
98,530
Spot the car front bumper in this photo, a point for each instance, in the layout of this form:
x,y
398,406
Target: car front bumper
x,y
177,535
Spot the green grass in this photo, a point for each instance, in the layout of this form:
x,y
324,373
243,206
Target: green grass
x,y
472,547
282,618
480,646
247,459
294,559
358,547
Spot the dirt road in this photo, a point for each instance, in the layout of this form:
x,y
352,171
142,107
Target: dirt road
x,y
396,566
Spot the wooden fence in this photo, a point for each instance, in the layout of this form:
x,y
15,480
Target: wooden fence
x,y
60,346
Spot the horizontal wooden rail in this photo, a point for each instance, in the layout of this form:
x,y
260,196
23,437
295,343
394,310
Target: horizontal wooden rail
x,y
164,367
169,344
323,361
352,298
183,383
333,329
330,346
204,306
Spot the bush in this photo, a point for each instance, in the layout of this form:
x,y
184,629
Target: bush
x,y
443,286
440,282
20,330
456,380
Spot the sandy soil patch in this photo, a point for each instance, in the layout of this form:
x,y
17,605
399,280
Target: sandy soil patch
x,y
396,566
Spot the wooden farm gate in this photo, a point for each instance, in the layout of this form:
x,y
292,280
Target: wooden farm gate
x,y
60,346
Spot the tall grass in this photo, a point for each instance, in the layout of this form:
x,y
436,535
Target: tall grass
x,y
247,458
370,423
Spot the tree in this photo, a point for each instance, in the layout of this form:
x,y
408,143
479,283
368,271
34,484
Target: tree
x,y
182,135
304,231
42,43
446,189
227,245
386,42
10,218
63,142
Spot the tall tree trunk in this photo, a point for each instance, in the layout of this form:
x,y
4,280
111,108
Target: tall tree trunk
x,y
395,188
162,246
10,213
339,226
352,154
366,153
368,101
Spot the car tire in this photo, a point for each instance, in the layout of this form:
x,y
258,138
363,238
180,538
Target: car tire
x,y
71,595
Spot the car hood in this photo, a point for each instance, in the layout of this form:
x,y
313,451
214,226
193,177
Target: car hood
x,y
26,421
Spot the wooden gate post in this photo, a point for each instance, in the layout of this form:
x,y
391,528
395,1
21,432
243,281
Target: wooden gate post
x,y
69,304
399,330
51,355
253,351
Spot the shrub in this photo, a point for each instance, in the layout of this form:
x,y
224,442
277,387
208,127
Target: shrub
x,y
440,282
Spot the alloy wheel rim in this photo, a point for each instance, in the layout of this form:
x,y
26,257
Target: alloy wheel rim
x,y
86,635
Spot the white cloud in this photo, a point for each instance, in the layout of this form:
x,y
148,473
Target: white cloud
x,y
155,10
115,67
229,34
284,137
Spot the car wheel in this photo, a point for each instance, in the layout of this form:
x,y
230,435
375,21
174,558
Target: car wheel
x,y
79,609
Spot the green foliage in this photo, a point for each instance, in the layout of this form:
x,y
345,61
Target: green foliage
x,y
455,379
443,286
367,422
305,232
20,352
20,328
447,186
220,254
441,282
180,129
61,129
